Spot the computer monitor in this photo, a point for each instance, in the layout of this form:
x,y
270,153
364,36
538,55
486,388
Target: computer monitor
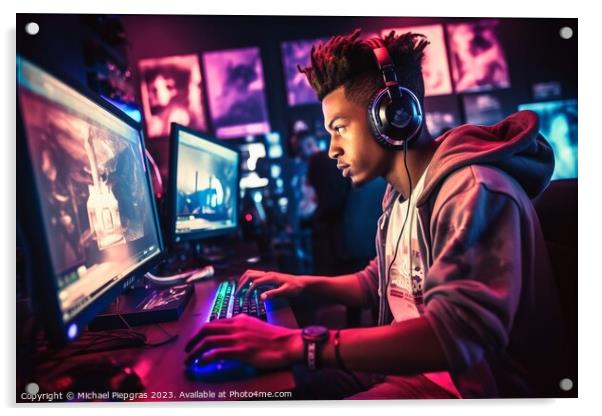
x,y
204,186
558,124
85,200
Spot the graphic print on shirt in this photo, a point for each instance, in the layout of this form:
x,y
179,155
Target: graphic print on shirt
x,y
406,282
405,287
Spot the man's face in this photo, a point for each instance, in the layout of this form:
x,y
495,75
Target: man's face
x,y
352,144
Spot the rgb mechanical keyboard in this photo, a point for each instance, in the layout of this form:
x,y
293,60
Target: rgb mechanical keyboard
x,y
227,305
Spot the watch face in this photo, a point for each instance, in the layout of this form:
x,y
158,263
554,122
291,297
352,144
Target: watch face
x,y
315,333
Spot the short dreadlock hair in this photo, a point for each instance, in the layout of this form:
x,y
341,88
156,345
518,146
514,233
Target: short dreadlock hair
x,y
346,60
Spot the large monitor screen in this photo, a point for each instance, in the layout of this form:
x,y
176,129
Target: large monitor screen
x,y
206,199
558,124
100,222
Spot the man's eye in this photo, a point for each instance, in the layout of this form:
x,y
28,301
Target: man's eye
x,y
339,129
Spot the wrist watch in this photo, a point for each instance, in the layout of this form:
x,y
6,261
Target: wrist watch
x,y
313,338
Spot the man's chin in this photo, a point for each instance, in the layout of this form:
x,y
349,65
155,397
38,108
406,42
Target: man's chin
x,y
357,181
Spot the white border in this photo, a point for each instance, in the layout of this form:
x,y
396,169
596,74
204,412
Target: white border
x,y
589,228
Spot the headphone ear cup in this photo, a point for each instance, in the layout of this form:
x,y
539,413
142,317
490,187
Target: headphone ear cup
x,y
395,122
375,109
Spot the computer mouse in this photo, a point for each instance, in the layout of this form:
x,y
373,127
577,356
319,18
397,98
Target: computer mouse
x,y
219,370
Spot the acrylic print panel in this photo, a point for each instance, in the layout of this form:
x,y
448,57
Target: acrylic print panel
x,y
171,92
235,88
435,68
558,124
477,57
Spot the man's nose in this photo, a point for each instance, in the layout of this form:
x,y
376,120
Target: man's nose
x,y
334,150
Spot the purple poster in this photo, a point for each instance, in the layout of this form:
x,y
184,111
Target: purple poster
x,y
171,92
435,69
477,58
235,89
298,53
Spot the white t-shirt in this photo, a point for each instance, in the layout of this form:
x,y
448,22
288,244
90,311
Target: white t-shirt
x,y
405,288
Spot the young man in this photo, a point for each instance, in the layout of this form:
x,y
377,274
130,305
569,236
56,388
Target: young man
x,y
461,277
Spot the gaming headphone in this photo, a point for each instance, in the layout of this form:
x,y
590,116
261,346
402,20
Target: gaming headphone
x,y
394,112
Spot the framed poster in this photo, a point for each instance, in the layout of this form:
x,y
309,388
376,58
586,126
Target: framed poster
x,y
477,58
171,92
235,89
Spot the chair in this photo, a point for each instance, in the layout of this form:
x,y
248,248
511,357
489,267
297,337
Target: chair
x,y
557,211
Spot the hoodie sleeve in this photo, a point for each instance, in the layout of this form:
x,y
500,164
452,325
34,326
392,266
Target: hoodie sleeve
x,y
368,279
473,285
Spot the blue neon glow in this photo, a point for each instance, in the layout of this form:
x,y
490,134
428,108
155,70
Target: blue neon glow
x,y
558,124
131,110
72,331
275,171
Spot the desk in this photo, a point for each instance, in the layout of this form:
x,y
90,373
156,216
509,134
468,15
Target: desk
x,y
161,368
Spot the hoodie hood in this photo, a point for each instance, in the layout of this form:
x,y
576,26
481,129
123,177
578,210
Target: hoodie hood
x,y
513,145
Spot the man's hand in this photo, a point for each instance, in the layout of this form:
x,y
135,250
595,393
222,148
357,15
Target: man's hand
x,y
247,339
287,284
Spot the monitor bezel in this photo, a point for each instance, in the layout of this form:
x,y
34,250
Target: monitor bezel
x,y
174,142
29,206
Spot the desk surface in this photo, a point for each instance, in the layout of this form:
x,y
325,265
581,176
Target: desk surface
x,y
161,369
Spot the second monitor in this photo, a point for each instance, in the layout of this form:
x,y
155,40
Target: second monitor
x,y
203,186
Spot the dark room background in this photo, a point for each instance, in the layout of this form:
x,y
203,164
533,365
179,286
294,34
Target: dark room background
x,y
104,54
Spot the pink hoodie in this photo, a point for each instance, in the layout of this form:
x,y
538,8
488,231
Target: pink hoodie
x,y
488,292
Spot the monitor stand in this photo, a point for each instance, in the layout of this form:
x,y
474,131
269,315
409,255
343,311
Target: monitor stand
x,y
163,295
144,305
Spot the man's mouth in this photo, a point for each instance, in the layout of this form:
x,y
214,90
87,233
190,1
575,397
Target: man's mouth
x,y
345,168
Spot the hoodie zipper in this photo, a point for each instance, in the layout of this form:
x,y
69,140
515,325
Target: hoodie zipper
x,y
427,246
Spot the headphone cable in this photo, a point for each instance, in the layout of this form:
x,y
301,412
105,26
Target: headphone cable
x,y
405,153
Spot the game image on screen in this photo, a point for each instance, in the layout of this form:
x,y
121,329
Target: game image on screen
x,y
89,168
207,176
482,109
297,53
558,124
171,92
236,92
477,56
435,69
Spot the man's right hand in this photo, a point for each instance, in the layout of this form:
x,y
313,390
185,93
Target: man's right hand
x,y
286,284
